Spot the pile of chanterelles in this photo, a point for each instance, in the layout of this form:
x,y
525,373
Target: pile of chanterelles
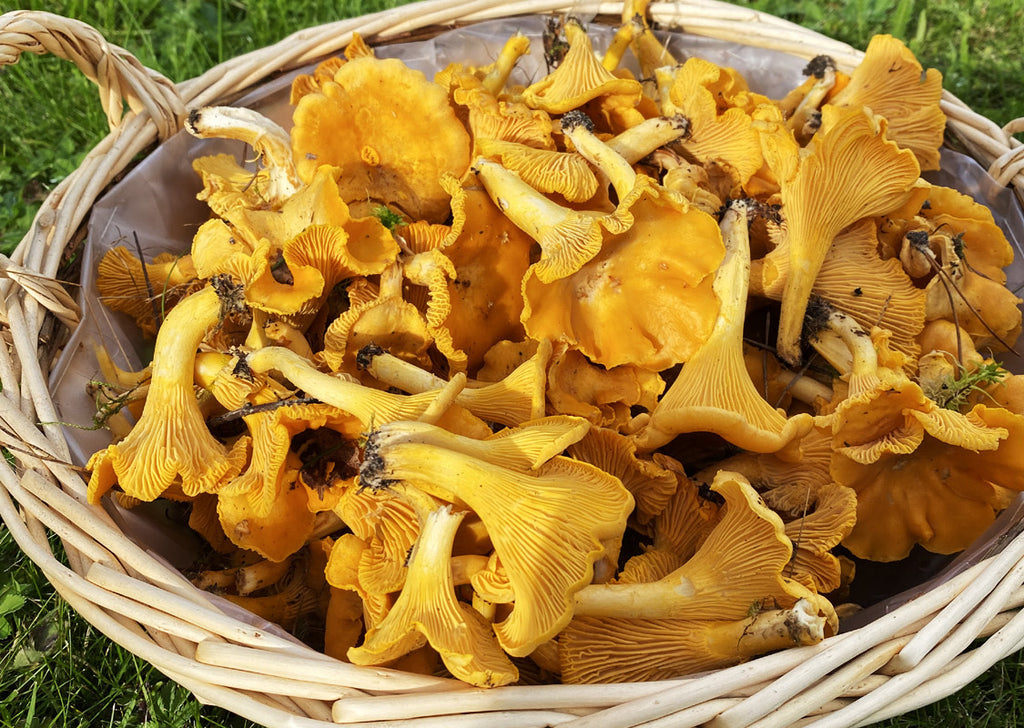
x,y
453,339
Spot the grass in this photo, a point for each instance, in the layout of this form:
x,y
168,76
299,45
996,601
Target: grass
x,y
55,669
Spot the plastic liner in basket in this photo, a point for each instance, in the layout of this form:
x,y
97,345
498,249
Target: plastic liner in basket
x,y
634,704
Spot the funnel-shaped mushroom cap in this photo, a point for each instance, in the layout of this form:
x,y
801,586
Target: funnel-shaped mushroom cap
x,y
827,517
354,122
142,290
546,542
941,495
604,396
427,607
646,298
652,486
579,78
728,137
714,392
342,572
280,531
217,250
741,563
985,246
171,442
874,292
611,650
851,171
891,82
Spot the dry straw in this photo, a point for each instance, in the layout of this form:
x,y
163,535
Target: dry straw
x,y
912,656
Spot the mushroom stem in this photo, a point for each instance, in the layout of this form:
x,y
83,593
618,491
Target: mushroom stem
x,y
370,406
580,129
638,141
513,400
803,388
271,142
864,363
516,46
824,69
568,238
738,565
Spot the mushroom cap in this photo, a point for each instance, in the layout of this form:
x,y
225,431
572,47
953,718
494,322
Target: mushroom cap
x,y
605,396
642,299
579,78
280,532
170,444
851,171
713,392
725,136
353,123
893,84
491,256
941,496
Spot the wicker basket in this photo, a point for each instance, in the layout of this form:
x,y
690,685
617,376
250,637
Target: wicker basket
x,y
909,657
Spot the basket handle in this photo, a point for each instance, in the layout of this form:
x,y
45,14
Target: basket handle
x,y
119,75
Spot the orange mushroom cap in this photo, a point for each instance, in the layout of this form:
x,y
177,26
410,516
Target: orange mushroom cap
x,y
353,121
850,171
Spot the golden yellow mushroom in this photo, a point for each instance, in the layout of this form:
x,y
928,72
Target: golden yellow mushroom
x,y
171,443
353,122
547,544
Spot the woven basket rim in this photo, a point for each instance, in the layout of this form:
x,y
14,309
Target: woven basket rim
x,y
150,609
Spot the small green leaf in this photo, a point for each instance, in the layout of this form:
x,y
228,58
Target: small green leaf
x,y
388,217
10,602
954,391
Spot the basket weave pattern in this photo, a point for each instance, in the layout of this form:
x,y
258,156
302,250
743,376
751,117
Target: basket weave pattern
x,y
908,658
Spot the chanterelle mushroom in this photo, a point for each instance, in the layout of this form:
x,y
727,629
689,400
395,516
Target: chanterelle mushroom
x,y
427,611
170,440
353,122
713,392
741,563
546,542
851,170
